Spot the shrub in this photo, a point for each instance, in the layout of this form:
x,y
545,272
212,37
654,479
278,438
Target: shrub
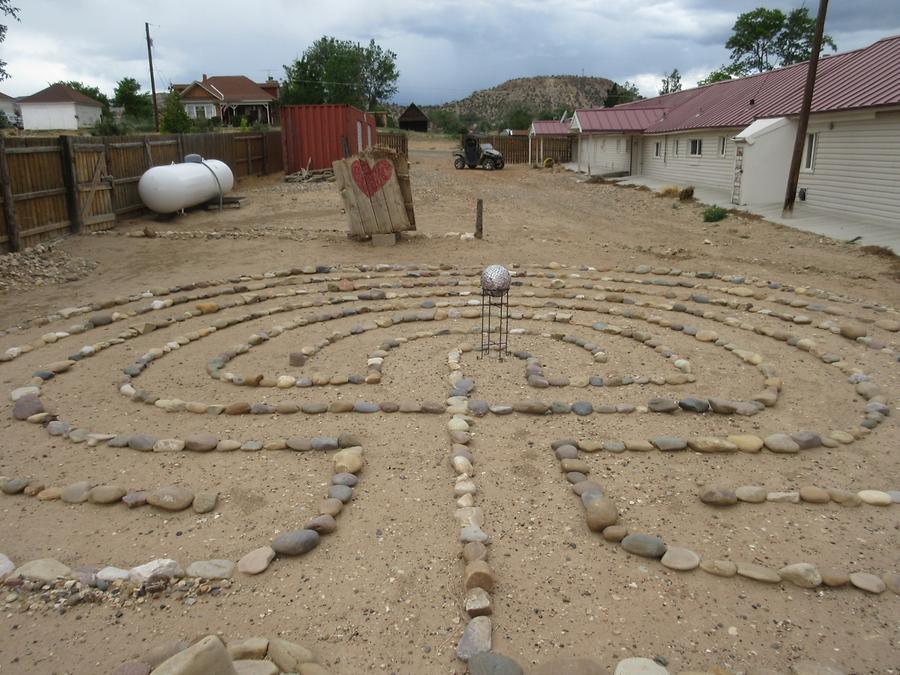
x,y
669,191
687,193
714,214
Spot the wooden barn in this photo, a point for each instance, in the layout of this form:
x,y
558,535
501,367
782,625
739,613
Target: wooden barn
x,y
413,119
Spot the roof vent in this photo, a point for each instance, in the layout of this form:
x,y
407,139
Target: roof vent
x,y
752,101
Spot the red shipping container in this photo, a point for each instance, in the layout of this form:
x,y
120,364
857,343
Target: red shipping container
x,y
312,135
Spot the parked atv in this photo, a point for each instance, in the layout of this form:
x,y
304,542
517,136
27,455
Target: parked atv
x,y
474,154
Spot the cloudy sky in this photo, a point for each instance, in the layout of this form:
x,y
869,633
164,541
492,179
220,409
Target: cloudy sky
x,y
445,50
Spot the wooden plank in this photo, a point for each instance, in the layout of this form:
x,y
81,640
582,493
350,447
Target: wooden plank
x,y
32,149
49,227
390,192
52,192
9,207
95,180
70,176
344,182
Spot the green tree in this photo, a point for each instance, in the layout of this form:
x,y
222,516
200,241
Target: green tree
x,y
379,74
174,118
128,95
340,71
518,117
718,75
794,42
621,93
670,83
763,39
88,90
8,10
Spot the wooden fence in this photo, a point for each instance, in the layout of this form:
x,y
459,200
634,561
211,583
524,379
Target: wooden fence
x,y
398,142
515,148
51,185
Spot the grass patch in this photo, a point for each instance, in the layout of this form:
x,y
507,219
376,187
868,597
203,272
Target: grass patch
x,y
881,251
714,214
669,191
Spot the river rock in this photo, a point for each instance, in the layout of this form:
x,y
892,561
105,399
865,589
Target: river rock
x,y
784,497
645,545
639,666
600,513
491,663
204,502
875,497
206,656
667,443
161,567
718,496
834,577
476,638
106,494
867,582
256,561
288,656
758,573
201,442
251,648
753,494
14,486
211,569
171,498
681,559
44,570
720,568
781,443
711,444
746,442
814,494
76,493
295,542
349,460
801,574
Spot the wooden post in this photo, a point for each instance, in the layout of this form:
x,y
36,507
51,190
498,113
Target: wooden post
x,y
265,153
802,123
479,219
14,239
181,147
70,176
147,150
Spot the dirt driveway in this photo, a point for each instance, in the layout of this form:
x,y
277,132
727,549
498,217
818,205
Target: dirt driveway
x,y
384,593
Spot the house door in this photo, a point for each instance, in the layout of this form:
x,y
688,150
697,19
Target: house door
x,y
359,138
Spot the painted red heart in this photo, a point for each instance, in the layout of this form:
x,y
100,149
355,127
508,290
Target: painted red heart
x,y
370,179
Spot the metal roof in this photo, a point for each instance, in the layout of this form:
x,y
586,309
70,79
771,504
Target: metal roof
x,y
551,128
863,78
608,120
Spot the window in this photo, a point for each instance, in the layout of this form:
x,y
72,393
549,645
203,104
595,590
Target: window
x,y
722,146
696,147
200,112
677,144
809,153
657,149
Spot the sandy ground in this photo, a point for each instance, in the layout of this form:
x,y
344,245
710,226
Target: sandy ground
x,y
383,593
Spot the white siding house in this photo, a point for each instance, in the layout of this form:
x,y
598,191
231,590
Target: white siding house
x,y
702,157
737,136
59,107
853,165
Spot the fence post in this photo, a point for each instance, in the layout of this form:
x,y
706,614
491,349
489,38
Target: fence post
x,y
264,139
70,176
181,147
479,219
14,239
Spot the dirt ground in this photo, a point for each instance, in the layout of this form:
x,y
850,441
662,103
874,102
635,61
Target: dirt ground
x,y
383,594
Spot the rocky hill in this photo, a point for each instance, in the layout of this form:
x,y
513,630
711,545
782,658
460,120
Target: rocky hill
x,y
544,94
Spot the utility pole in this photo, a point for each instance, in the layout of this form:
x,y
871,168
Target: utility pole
x,y
152,78
803,122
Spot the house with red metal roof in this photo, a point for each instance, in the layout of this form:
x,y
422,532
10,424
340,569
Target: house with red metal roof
x,y
59,107
230,98
737,136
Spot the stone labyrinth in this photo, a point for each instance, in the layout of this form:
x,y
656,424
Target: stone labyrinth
x,y
668,321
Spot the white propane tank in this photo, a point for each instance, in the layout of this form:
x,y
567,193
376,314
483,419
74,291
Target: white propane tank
x,y
166,189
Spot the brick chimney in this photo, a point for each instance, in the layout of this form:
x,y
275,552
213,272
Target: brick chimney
x,y
204,77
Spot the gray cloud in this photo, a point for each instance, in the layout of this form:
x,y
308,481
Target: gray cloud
x,y
445,50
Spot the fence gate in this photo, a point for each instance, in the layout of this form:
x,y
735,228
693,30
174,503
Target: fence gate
x,y
92,208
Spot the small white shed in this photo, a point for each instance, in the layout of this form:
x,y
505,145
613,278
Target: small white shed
x,y
59,107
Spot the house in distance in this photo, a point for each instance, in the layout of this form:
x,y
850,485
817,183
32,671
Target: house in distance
x,y
413,119
230,98
59,107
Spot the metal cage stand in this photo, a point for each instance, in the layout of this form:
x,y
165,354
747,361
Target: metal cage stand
x,y
494,312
